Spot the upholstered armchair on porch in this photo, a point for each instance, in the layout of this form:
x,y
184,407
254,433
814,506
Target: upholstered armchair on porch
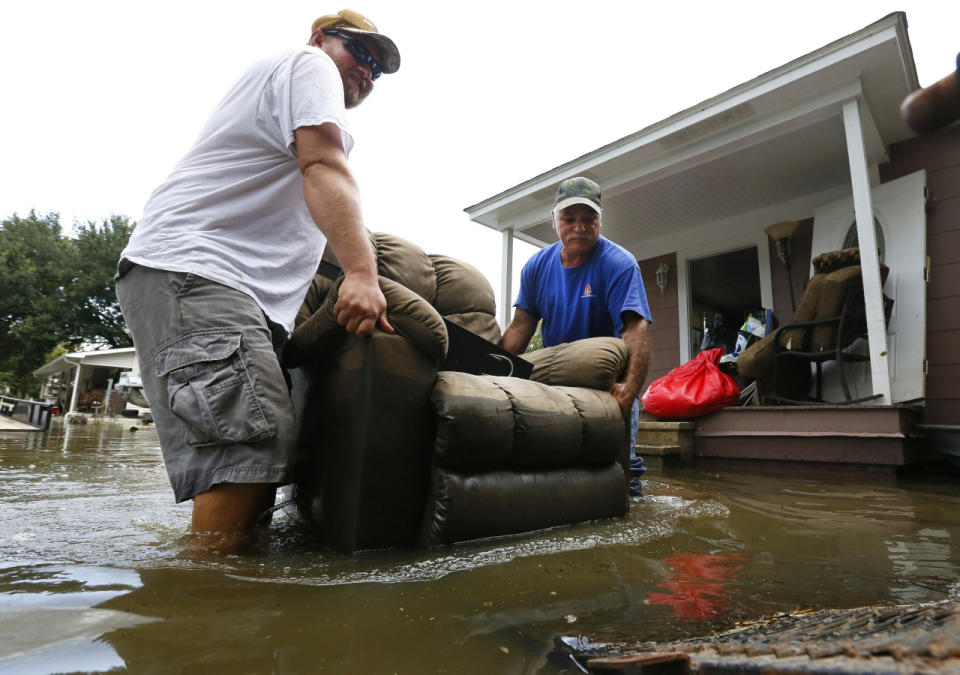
x,y
829,318
395,452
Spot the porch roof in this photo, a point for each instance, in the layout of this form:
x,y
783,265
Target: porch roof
x,y
124,357
767,150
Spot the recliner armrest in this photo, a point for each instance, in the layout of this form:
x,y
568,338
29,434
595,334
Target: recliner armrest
x,y
594,363
409,314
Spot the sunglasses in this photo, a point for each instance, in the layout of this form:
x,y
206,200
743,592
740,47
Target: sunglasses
x,y
359,52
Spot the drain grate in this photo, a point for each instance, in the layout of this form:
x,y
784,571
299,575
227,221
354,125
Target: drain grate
x,y
891,639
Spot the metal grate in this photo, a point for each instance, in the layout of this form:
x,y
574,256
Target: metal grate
x,y
892,639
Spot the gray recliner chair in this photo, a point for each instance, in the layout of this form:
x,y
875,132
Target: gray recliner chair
x,y
395,452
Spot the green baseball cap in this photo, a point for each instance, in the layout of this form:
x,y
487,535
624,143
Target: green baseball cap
x,y
356,24
577,190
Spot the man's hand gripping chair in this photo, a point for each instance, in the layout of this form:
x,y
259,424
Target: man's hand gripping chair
x,y
394,452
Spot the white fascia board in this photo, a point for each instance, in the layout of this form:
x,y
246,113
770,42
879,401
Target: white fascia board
x,y
111,360
906,56
58,365
881,31
101,352
120,357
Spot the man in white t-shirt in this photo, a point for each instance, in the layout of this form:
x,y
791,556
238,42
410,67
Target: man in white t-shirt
x,y
218,265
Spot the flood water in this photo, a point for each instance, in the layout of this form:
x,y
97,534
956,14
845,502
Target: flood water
x,y
93,578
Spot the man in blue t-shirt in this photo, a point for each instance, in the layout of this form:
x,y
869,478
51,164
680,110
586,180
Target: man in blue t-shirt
x,y
584,286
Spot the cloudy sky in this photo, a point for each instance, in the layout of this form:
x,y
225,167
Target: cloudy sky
x,y
101,98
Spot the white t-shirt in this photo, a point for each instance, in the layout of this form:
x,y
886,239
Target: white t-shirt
x,y
233,209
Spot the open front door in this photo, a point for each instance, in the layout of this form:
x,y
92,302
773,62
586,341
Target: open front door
x,y
902,238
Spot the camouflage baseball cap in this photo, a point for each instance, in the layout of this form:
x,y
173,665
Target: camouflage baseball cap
x,y
356,24
578,190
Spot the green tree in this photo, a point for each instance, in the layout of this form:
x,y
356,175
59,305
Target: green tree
x,y
33,257
95,314
56,290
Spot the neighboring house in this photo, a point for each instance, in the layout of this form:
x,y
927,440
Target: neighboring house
x,y
820,141
79,381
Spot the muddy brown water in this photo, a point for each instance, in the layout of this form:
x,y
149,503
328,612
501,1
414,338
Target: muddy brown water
x,y
93,578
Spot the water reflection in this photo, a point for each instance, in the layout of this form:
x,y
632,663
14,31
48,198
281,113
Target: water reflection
x,y
94,569
51,620
699,584
922,561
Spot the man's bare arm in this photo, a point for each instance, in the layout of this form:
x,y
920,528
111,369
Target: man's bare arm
x,y
636,334
518,333
334,202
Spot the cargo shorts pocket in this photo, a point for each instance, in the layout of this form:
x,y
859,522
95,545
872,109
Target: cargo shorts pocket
x,y
210,389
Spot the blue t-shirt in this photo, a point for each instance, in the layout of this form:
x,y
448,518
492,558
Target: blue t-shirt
x,y
583,301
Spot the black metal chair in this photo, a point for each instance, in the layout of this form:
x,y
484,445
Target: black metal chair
x,y
842,331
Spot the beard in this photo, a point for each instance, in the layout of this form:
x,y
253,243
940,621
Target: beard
x,y
354,94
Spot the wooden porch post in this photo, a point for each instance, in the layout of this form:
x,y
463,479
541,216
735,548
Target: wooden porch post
x,y
869,260
506,279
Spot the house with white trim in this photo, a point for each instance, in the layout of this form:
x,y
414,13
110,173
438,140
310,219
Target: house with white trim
x,y
80,379
818,141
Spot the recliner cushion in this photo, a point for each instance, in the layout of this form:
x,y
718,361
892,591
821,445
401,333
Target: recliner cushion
x,y
835,288
316,293
756,361
486,422
474,422
603,424
471,506
547,429
834,260
595,363
405,263
409,314
797,339
465,297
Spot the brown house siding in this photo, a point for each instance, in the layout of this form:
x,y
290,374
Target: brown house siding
x,y
665,344
939,154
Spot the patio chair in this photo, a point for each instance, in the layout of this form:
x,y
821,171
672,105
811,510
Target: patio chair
x,y
829,319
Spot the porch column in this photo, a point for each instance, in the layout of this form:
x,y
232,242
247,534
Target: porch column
x,y
869,261
76,388
506,279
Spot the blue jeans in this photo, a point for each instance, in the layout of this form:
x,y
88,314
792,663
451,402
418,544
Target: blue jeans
x,y
637,467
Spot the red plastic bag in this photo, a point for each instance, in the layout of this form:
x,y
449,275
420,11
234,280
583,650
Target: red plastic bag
x,y
693,389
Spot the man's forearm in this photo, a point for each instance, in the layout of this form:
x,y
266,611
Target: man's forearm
x,y
334,203
517,335
513,340
637,337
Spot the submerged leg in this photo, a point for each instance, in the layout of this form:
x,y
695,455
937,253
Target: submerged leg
x,y
224,517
